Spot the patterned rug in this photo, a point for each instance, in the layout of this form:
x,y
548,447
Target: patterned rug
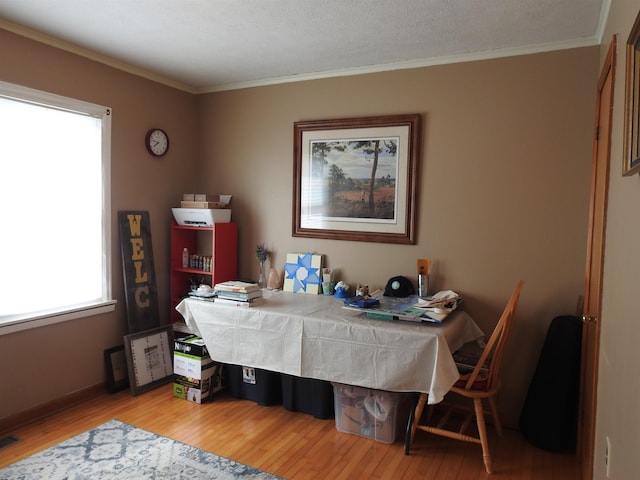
x,y
116,450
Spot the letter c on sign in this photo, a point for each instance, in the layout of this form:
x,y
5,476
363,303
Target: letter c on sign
x,y
140,291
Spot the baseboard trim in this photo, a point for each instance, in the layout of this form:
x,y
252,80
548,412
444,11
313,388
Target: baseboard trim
x,y
35,414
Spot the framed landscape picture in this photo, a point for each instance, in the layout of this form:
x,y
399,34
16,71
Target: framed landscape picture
x,y
356,178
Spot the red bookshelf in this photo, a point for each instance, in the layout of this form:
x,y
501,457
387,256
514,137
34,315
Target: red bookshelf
x,y
219,242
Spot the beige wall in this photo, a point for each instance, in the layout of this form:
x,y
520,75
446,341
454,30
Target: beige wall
x,y
618,385
504,181
39,365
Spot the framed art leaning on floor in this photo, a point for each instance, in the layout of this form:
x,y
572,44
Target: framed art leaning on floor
x,y
149,358
115,363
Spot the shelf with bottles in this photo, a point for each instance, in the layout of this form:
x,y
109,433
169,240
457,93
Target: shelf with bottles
x,y
196,263
218,243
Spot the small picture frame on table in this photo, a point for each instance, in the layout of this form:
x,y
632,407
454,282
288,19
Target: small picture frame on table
x,y
149,358
116,369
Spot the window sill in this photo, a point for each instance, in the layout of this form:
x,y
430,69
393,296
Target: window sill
x,y
27,323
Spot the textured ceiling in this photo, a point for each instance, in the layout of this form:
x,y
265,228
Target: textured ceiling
x,y
206,45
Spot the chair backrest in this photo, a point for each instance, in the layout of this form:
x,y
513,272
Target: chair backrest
x,y
491,358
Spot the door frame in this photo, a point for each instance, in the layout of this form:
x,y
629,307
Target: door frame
x,y
594,264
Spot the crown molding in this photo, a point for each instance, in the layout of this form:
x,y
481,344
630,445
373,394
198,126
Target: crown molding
x,y
92,55
409,64
405,65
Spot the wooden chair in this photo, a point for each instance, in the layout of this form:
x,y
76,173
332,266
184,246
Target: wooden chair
x,y
478,381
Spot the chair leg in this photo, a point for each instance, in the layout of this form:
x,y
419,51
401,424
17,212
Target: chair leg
x,y
422,401
494,412
407,435
482,430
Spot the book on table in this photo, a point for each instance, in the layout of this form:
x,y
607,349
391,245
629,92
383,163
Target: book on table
x,y
236,286
254,302
238,295
198,297
410,315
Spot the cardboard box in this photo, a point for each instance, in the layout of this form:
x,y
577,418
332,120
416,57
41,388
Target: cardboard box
x,y
191,345
196,376
188,197
219,378
192,389
194,204
191,366
200,390
206,197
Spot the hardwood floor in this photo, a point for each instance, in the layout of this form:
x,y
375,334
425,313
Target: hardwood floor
x,y
293,445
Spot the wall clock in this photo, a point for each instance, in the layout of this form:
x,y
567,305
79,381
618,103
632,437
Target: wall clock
x,y
157,142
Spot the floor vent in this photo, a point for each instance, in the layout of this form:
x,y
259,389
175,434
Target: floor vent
x,y
8,441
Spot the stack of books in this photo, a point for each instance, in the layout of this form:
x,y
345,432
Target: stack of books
x,y
240,294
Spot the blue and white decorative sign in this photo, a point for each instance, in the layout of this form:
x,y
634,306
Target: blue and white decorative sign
x,y
302,273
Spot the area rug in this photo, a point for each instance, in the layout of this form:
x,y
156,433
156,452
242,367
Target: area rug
x,y
116,450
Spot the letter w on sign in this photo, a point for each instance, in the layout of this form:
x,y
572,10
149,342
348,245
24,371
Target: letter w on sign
x,y
138,270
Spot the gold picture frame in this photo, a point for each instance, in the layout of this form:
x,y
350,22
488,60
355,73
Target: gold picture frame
x,y
631,163
357,178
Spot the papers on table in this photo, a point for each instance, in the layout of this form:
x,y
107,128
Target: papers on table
x,y
439,306
445,299
414,309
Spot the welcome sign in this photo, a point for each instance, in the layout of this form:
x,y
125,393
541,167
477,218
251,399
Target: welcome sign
x,y
138,270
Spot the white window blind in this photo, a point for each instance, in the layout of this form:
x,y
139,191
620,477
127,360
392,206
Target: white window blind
x,y
54,185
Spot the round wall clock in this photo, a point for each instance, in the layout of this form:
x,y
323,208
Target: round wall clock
x,y
157,142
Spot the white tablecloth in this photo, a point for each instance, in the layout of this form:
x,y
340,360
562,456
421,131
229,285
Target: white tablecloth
x,y
312,336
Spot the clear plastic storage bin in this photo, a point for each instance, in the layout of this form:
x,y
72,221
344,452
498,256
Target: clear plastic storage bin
x,y
375,414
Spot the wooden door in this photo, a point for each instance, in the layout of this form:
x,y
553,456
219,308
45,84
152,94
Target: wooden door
x,y
595,255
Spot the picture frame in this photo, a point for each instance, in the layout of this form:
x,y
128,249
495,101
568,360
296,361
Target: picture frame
x,y
357,178
149,358
115,362
631,163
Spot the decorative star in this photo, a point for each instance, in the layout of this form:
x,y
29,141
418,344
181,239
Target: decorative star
x,y
303,273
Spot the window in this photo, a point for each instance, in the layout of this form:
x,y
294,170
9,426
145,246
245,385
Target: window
x,y
55,246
